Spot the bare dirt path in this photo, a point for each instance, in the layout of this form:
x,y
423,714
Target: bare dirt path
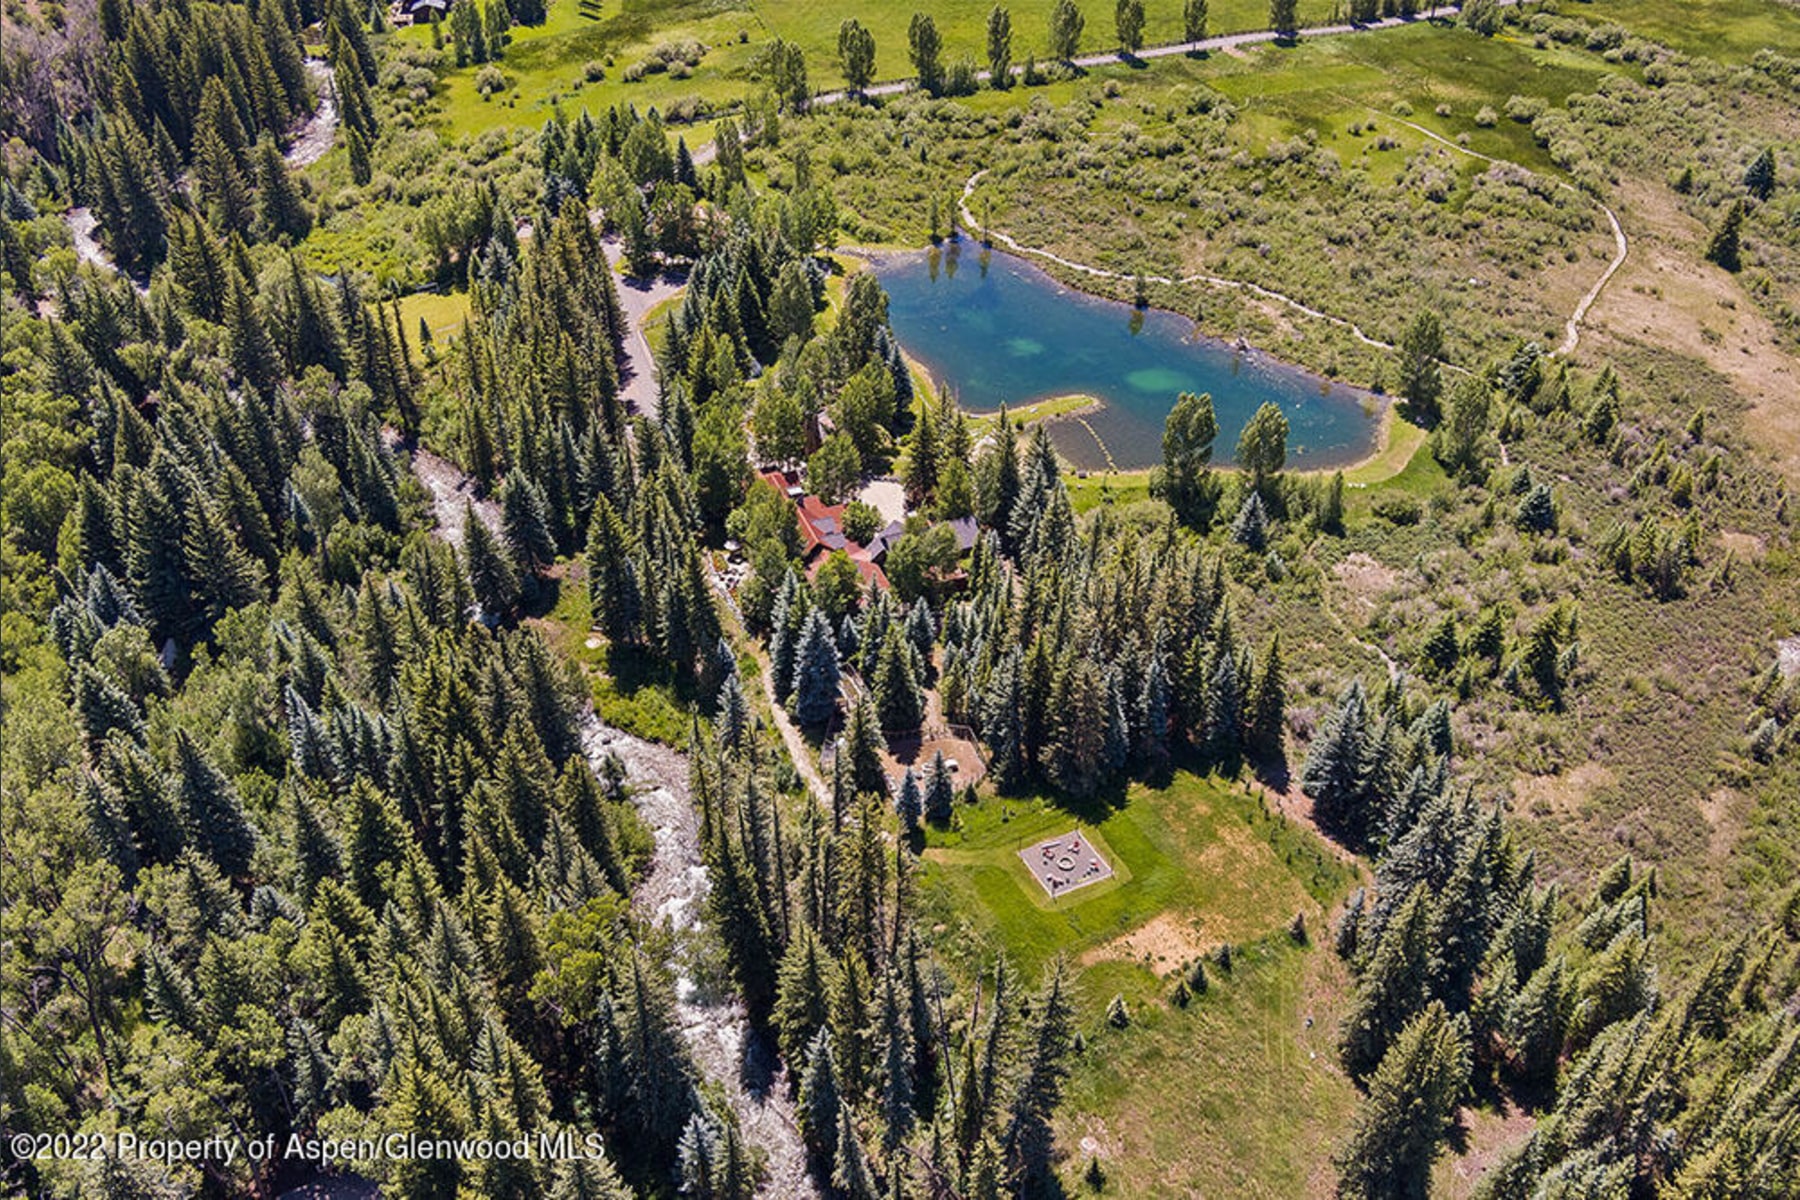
x,y
1621,246
314,135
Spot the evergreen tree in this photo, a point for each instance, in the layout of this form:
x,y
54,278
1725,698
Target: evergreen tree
x,y
1284,16
614,591
898,699
1029,1139
909,803
1413,1097
1337,768
816,674
279,207
1759,176
211,809
492,576
1725,248
658,1072
940,791
852,1174
1392,989
1268,706
525,524
819,1112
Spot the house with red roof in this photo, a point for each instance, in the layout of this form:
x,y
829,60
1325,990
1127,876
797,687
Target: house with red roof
x,y
822,529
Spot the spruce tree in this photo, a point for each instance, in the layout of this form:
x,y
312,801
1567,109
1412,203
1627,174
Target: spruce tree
x,y
1268,706
898,700
211,809
492,576
1413,1098
909,803
816,673
819,1109
940,791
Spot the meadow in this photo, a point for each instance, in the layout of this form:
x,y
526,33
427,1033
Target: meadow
x,y
1199,862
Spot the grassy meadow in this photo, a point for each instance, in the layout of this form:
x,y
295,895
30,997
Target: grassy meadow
x,y
1199,862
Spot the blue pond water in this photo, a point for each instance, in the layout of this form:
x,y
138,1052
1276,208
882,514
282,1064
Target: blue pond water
x,y
996,329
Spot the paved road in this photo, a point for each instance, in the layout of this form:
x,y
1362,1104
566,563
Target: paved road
x,y
637,370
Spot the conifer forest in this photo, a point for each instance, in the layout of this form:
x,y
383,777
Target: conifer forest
x,y
729,599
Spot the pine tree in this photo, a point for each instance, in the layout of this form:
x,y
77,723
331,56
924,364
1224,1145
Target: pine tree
x,y
492,577
940,791
1335,772
1535,1024
852,1173
820,1108
909,803
1392,989
660,1076
1725,248
1268,706
898,699
279,207
864,744
1413,1097
211,809
525,524
816,674
1759,176
1029,1139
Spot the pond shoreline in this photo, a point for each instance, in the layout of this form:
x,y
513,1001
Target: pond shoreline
x,y
1076,406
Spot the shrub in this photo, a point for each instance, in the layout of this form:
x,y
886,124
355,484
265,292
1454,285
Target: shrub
x,y
1526,109
593,70
1487,118
489,80
1397,508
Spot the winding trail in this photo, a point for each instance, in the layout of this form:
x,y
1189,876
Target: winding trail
x,y
968,221
1571,327
1621,245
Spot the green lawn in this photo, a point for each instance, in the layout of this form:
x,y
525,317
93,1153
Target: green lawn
x,y
1200,851
1197,863
813,24
444,313
1239,1094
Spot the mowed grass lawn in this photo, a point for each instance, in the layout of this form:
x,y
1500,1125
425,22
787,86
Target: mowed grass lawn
x,y
1201,853
1197,863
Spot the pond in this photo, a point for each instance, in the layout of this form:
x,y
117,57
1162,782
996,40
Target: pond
x,y
997,330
